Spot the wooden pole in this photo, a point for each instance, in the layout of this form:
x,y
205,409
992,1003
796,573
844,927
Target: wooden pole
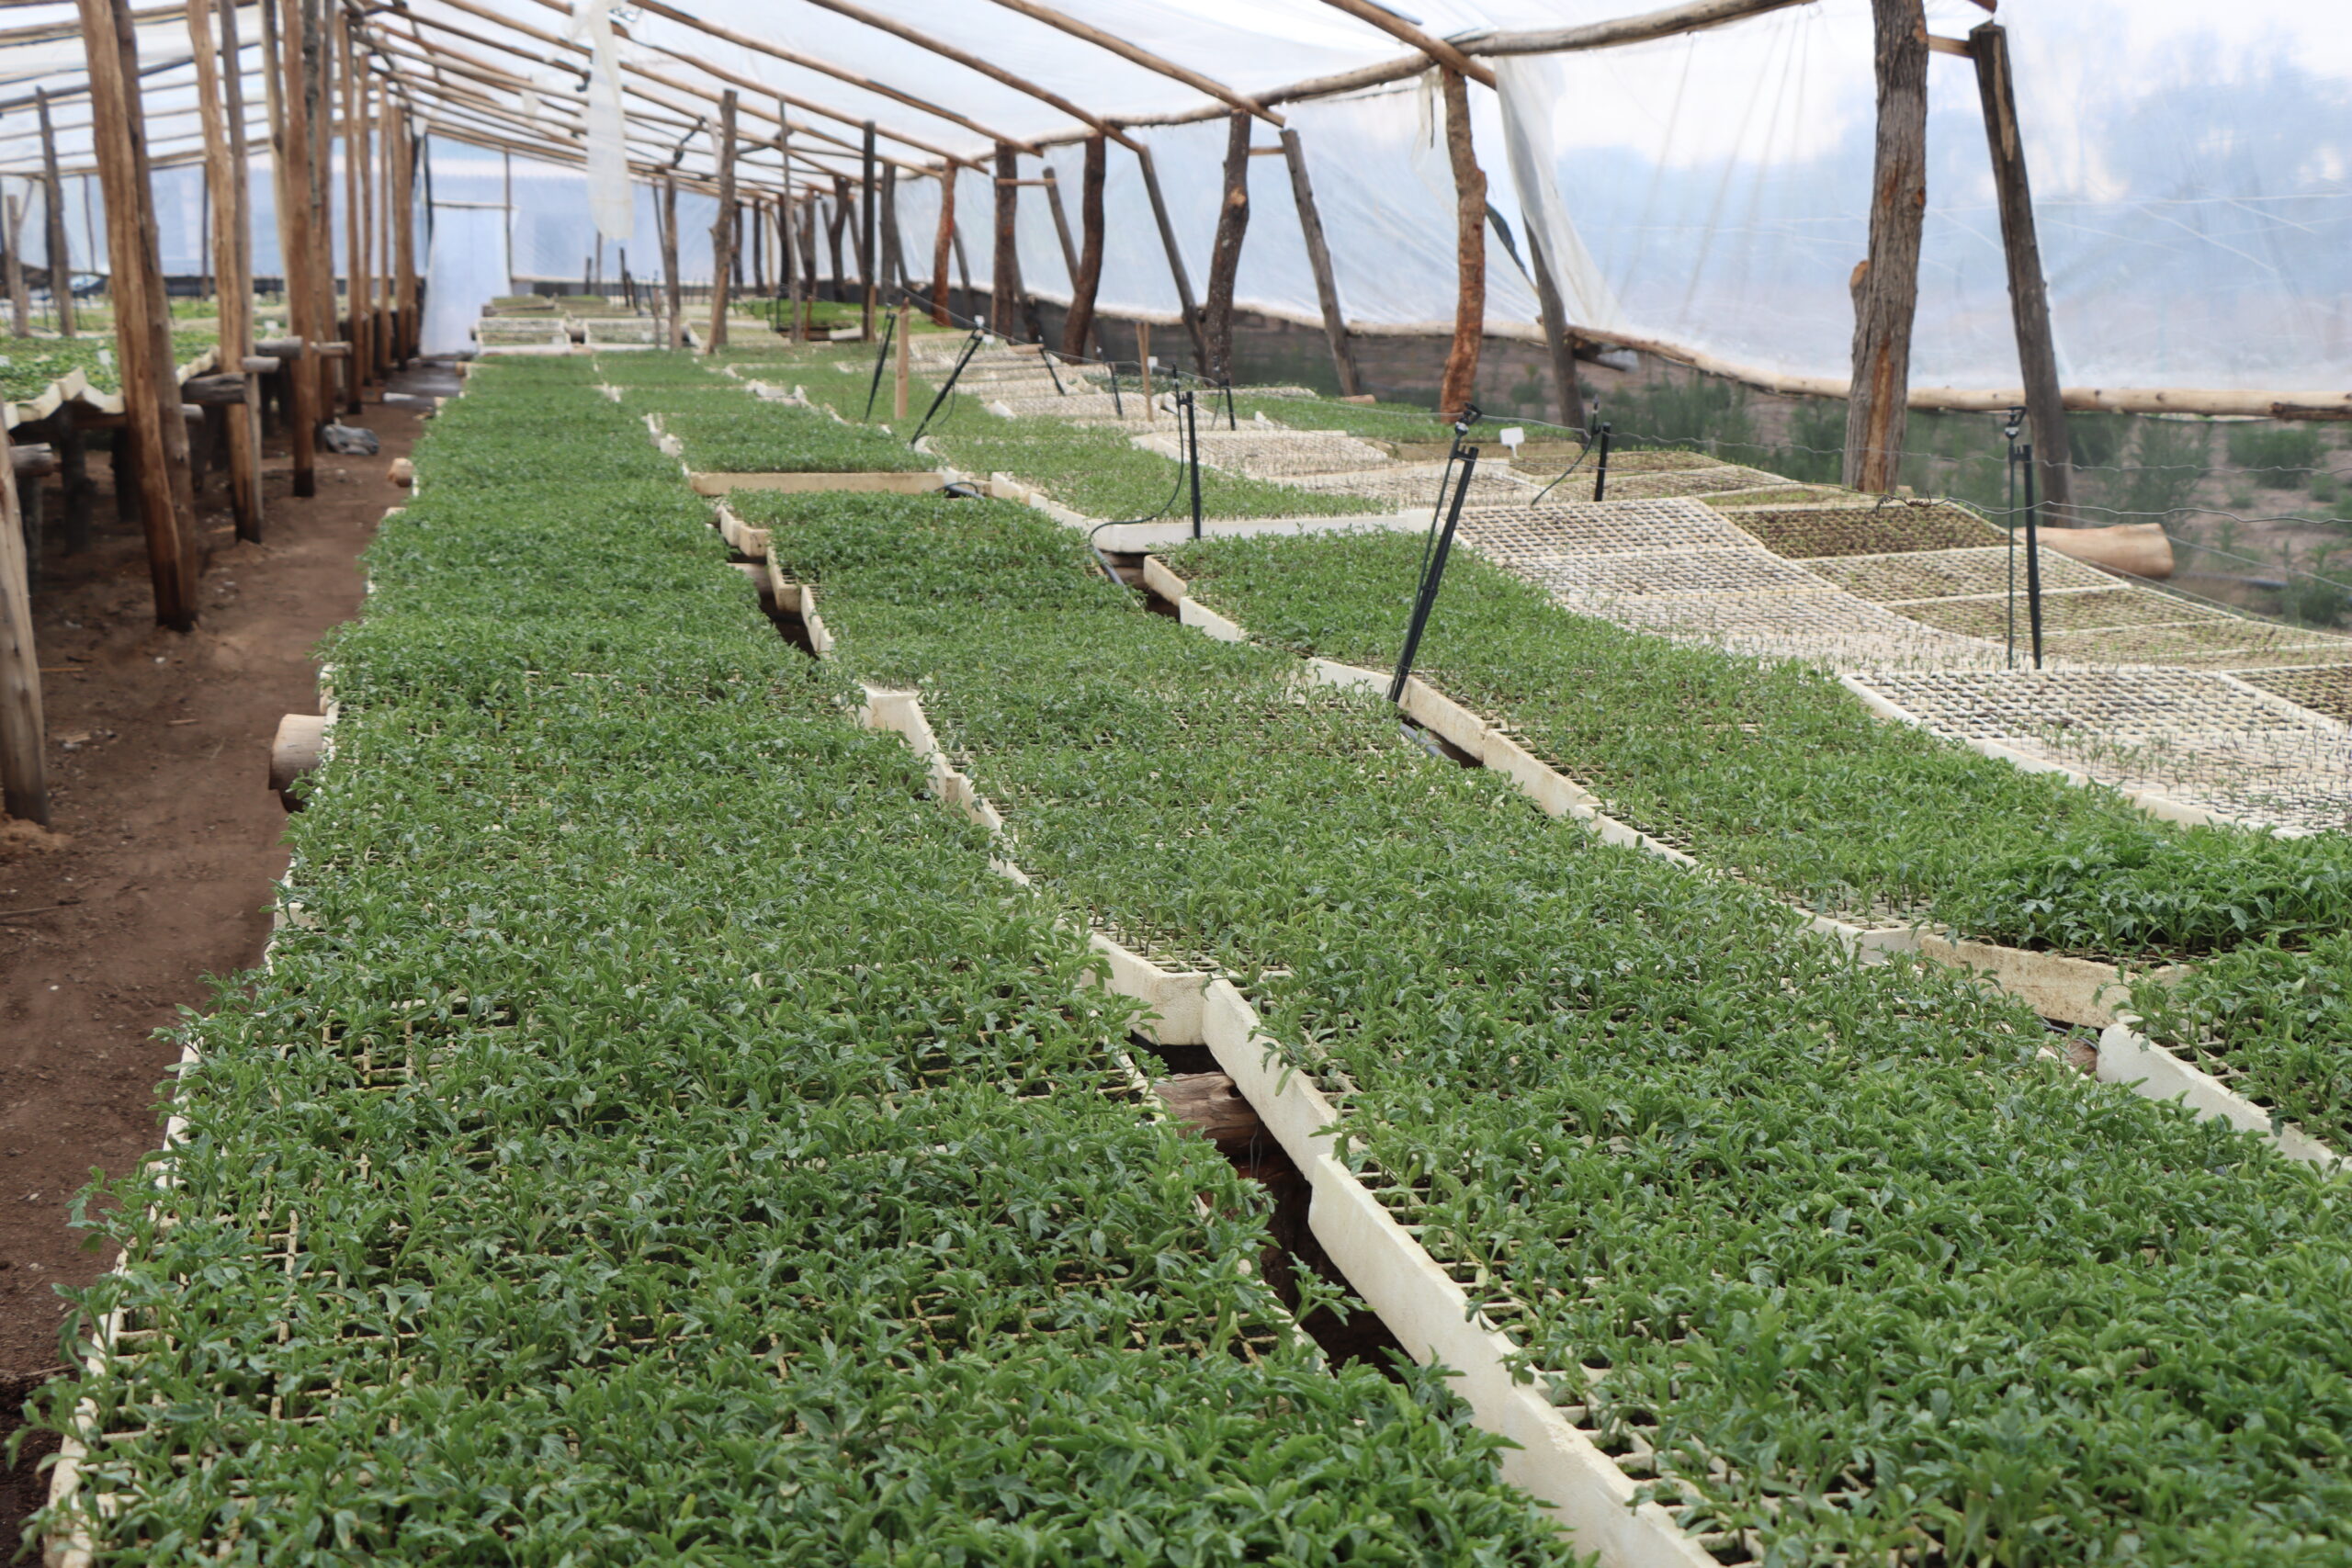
x,y
793,272
868,238
404,233
143,322
60,259
1086,277
1225,258
1461,378
807,232
319,105
2029,295
24,762
1175,258
237,312
1004,272
221,178
1555,335
1143,364
722,232
290,148
836,217
1886,285
20,306
894,253
354,238
905,368
1319,258
674,326
940,243
1061,228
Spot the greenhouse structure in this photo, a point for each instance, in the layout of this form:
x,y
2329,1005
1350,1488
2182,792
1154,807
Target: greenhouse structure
x,y
1488,781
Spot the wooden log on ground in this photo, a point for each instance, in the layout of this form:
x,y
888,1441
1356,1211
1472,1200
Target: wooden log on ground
x,y
1224,256
1886,285
1005,275
1318,259
2029,296
1086,279
2140,548
1460,382
33,460
24,764
294,751
1210,1105
142,314
1175,258
214,392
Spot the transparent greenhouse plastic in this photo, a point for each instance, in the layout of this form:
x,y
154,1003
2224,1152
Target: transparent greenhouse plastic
x,y
2192,171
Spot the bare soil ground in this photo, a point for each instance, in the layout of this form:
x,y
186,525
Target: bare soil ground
x,y
155,876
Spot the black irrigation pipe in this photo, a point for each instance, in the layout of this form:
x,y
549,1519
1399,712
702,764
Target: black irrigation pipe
x,y
881,356
1600,475
1188,472
1188,408
971,346
1437,546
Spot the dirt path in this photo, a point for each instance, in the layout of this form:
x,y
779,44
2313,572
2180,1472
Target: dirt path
x,y
164,843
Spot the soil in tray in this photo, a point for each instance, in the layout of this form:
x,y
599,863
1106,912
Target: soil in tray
x,y
2067,611
2327,690
2215,643
1805,532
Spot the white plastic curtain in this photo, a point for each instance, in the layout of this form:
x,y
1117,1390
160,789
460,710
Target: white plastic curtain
x,y
468,270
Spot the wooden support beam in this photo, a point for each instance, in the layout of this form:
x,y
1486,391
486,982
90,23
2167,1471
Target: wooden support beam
x,y
722,232
894,254
2028,294
940,239
58,254
1175,258
1005,275
1460,382
1319,258
1086,277
870,289
810,63
1556,340
836,219
1052,188
404,300
223,177
289,147
354,241
1397,27
995,72
157,434
20,305
673,318
1142,57
23,760
1886,285
1225,257
796,276
316,59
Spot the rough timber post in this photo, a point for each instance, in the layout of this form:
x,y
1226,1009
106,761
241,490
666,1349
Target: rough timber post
x,y
1005,274
241,233
939,246
673,323
24,768
2029,295
1225,258
355,241
59,256
289,140
722,232
866,252
1886,285
150,394
1175,257
1319,258
404,153
1461,379
317,74
20,305
221,178
894,248
1556,333
1086,279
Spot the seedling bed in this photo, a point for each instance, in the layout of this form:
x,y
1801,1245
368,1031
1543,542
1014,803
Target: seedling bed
x,y
2063,610
1415,485
1805,532
2322,688
2223,642
1711,574
1670,483
1953,574
1277,453
1567,529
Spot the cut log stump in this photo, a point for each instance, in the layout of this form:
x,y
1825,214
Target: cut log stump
x,y
295,751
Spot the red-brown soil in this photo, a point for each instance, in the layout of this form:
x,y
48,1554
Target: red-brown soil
x,y
156,874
